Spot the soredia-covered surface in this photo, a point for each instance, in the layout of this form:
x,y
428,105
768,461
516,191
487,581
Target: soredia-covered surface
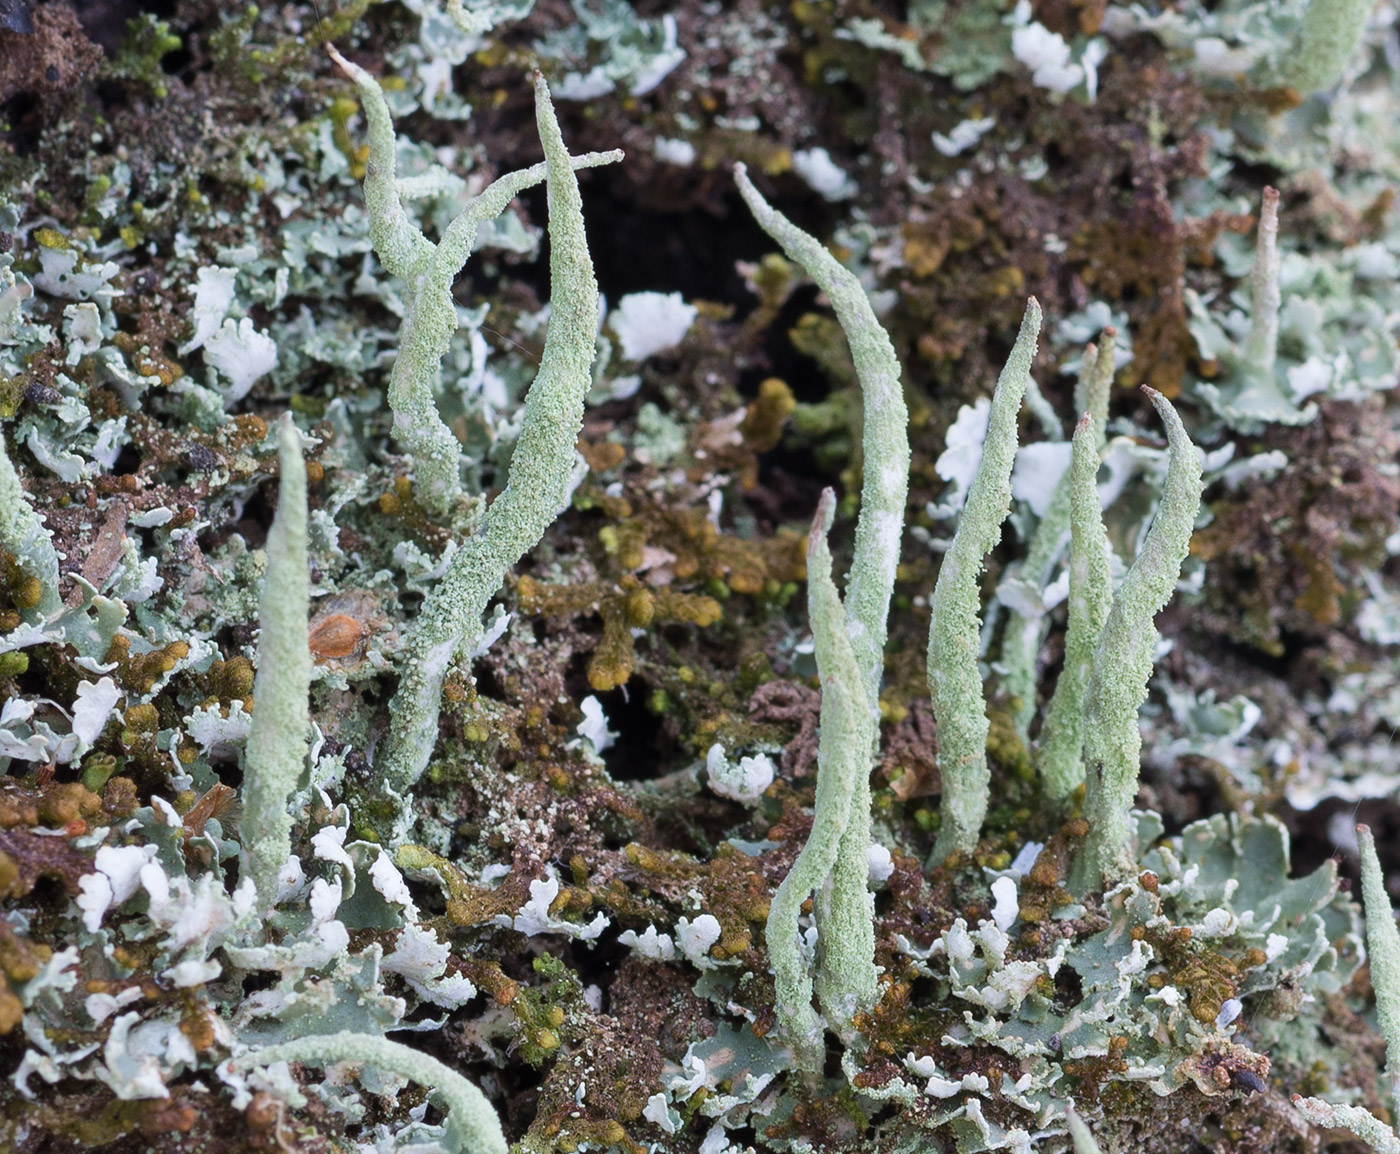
x,y
412,702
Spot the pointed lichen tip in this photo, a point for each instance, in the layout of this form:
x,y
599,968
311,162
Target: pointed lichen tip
x,y
353,71
821,521
1085,424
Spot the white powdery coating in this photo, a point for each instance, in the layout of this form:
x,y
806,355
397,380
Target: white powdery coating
x,y
1214,57
697,937
743,782
1007,907
656,1111
213,296
1037,473
534,916
390,884
878,864
191,973
650,944
815,166
584,85
1025,859
328,844
663,63
1046,54
670,151
241,355
418,954
118,876
965,134
100,1007
962,451
650,322
1217,923
94,705
324,900
594,726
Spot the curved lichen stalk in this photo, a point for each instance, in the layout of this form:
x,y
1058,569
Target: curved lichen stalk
x,y
954,682
427,270
846,944
277,738
23,536
884,437
1025,631
471,1125
1058,754
1123,663
845,978
538,484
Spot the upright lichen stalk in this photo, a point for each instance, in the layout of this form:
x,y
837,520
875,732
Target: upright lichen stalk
x,y
1122,664
428,270
846,946
1383,943
954,681
884,437
1025,632
1261,347
850,641
540,469
1059,752
277,739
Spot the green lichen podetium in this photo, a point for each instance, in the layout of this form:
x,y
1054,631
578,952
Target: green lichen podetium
x,y
428,270
277,738
1024,633
23,536
471,1125
954,682
1383,941
1254,394
846,940
1058,754
1326,41
845,978
1080,1135
884,439
1123,662
540,469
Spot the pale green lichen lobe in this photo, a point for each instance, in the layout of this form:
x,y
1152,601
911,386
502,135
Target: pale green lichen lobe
x,y
23,536
277,740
